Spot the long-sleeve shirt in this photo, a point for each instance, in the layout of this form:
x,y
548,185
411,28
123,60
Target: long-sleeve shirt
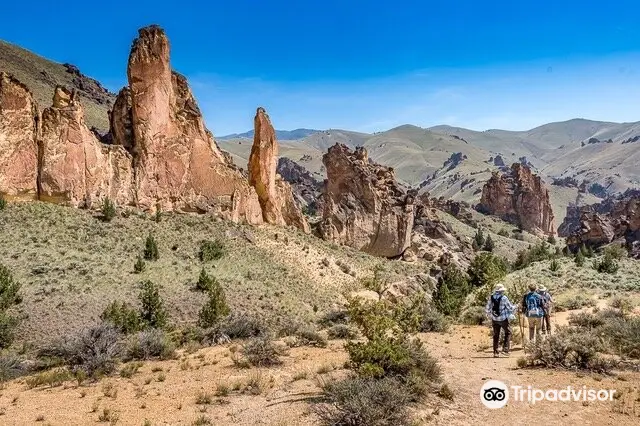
x,y
506,307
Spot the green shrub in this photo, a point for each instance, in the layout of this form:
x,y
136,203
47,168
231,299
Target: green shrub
x,y
108,210
364,401
51,378
206,282
336,316
152,313
478,240
211,250
624,304
151,248
486,269
579,259
3,203
308,336
432,320
379,283
261,352
503,233
606,265
622,335
554,266
578,301
130,369
341,331
568,348
586,251
149,344
451,291
242,326
474,315
585,320
9,296
551,240
536,253
616,251
215,308
94,351
139,266
122,316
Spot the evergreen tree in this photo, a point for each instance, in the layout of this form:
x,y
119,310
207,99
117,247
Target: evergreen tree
x,y
453,287
579,259
489,245
215,308
152,313
151,248
479,238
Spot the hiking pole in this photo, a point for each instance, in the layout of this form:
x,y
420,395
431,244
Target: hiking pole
x,y
520,322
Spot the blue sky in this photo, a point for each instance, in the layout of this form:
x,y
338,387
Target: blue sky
x,y
364,65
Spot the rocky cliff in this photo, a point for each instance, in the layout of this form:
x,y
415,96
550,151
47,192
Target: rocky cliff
x,y
601,223
364,206
307,190
18,140
519,197
161,155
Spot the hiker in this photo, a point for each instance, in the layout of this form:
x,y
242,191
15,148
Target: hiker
x,y
547,301
532,308
500,309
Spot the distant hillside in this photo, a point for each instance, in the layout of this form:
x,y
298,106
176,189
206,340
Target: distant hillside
x,y
283,135
42,75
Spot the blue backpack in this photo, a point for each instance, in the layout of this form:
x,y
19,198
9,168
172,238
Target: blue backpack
x,y
532,304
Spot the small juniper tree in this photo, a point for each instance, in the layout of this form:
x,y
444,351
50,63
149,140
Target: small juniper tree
x,y
139,266
108,210
151,248
479,239
551,239
489,245
3,202
205,281
579,259
152,313
215,308
554,266
453,287
123,316
211,250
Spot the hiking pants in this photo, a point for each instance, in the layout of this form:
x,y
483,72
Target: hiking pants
x,y
546,324
497,326
534,327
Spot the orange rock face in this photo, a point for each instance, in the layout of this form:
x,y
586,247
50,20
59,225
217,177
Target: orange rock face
x,y
18,140
364,207
274,194
178,166
76,168
521,198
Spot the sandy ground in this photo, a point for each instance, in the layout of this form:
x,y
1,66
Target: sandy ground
x,y
165,392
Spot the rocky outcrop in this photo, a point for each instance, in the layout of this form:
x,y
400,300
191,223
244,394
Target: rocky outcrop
x,y
274,194
307,190
177,164
602,223
519,197
75,167
121,121
364,206
18,140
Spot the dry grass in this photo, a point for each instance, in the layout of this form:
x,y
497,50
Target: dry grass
x,y
80,264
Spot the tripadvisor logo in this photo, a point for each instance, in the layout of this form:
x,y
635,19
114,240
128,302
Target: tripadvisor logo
x,y
495,394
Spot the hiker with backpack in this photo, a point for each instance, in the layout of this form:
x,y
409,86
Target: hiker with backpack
x,y
533,310
500,309
547,301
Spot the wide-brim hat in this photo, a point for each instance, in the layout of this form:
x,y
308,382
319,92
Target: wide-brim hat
x,y
542,288
499,287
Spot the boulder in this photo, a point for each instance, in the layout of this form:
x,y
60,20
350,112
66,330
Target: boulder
x,y
364,206
519,197
18,140
274,194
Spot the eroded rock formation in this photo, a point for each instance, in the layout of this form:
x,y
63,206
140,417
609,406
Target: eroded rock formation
x,y
364,206
602,223
18,140
274,194
307,190
519,197
75,167
159,155
177,164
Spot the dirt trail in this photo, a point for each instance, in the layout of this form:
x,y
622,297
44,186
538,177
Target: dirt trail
x,y
468,362
165,392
